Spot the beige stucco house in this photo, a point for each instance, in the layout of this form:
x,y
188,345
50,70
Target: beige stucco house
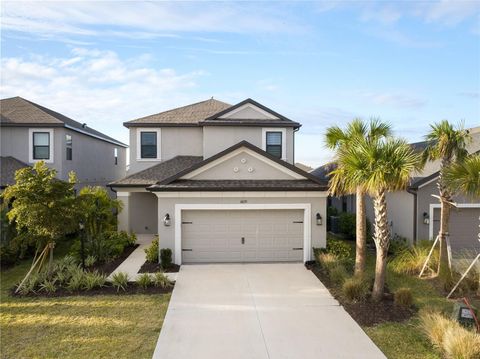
x,y
415,213
217,183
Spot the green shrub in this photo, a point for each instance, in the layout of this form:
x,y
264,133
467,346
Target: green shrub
x,y
31,284
411,260
327,261
338,274
76,281
403,297
339,248
152,251
161,280
355,289
106,246
144,280
120,281
166,257
398,244
90,261
92,280
49,286
347,224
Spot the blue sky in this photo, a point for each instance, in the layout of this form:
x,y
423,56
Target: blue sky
x,y
318,63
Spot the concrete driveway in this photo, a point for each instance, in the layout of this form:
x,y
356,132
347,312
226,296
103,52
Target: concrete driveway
x,y
257,311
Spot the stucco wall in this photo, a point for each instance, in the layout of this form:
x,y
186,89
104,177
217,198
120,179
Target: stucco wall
x,y
167,205
400,213
219,138
242,163
142,212
175,141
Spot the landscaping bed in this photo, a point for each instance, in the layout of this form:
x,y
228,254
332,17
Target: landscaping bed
x,y
108,267
132,288
149,267
366,313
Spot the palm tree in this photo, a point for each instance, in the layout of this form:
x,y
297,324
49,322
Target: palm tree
x,y
337,139
447,144
379,167
464,177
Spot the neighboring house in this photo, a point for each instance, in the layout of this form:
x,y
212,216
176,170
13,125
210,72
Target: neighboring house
x,y
304,167
8,166
415,213
217,183
32,133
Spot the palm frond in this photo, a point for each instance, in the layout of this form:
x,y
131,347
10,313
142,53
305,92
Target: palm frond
x,y
464,176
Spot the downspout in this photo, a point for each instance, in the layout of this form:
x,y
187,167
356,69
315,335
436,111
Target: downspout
x,y
415,200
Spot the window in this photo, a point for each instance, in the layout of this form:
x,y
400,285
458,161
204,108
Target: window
x,y
115,154
274,143
41,145
68,145
148,144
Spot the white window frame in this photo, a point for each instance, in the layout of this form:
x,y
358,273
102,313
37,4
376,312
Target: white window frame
x,y
307,229
139,143
284,139
51,144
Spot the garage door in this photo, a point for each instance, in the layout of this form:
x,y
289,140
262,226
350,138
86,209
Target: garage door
x,y
242,235
463,227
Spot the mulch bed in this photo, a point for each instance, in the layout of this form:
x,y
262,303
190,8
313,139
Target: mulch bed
x,y
108,267
367,313
132,288
149,267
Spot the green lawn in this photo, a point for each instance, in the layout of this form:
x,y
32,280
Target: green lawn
x,y
125,326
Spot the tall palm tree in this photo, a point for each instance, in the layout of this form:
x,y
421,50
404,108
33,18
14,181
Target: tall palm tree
x,y
379,167
337,139
447,144
464,177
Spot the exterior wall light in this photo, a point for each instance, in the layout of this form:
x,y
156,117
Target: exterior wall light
x,y
166,220
319,219
426,218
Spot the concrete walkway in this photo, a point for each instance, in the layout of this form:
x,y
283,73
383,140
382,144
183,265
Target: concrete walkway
x,y
264,311
135,260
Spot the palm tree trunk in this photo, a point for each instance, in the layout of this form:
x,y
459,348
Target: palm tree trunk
x,y
444,271
382,241
361,240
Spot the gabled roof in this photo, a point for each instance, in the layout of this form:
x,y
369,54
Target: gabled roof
x,y
322,172
189,115
17,111
158,172
208,113
8,166
278,119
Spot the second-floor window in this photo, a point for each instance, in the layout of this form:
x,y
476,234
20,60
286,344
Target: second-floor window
x,y
148,145
69,147
115,154
41,145
274,143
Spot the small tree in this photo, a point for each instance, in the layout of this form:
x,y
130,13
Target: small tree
x,y
42,206
379,167
447,144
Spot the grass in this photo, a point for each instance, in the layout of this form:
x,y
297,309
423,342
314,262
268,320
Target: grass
x,y
111,326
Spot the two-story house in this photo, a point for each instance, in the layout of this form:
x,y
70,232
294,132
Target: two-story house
x,y
217,183
32,133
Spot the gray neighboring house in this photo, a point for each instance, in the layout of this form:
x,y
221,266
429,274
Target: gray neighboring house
x,y
30,133
415,213
217,183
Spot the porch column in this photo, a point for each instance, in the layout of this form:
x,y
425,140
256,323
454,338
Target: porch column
x,y
124,216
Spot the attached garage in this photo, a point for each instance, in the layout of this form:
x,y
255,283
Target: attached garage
x,y
464,227
242,235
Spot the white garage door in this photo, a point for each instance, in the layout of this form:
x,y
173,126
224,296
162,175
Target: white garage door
x,y
242,235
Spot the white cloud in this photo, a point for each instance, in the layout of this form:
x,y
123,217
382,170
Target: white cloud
x,y
470,94
98,87
140,19
395,100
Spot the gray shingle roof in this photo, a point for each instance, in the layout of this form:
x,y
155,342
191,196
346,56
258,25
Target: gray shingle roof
x,y
8,166
239,185
158,172
17,111
186,115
